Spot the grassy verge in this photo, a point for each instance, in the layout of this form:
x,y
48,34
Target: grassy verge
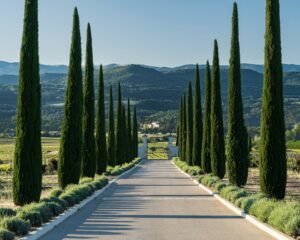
x,y
282,215
17,223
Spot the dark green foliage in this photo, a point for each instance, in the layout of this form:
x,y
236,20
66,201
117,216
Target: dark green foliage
x,y
34,218
7,212
205,159
217,145
15,225
129,139
71,135
179,126
111,153
189,132
183,129
197,123
27,174
249,144
273,163
237,142
119,129
135,137
6,235
88,164
124,135
101,150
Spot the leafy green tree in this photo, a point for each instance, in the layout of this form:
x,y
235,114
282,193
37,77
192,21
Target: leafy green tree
x,y
101,149
129,140
71,135
88,164
237,153
217,145
189,132
197,123
273,163
119,129
135,137
205,159
111,152
27,174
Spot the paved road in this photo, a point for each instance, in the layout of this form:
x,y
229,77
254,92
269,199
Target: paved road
x,y
155,201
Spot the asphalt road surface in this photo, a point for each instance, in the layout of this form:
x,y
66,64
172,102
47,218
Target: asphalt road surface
x,y
155,201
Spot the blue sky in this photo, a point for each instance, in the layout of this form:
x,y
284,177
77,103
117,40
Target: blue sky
x,y
153,32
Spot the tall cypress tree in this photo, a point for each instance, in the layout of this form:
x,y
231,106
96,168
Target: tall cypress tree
x,y
135,140
71,136
119,129
124,133
88,164
237,157
179,126
111,152
205,159
101,149
27,174
184,129
197,123
273,164
129,140
189,132
217,145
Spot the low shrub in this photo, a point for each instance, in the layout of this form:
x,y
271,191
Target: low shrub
x,y
191,170
247,202
282,214
42,208
292,227
6,235
219,186
56,192
63,204
86,180
7,212
210,180
34,218
262,208
15,225
55,208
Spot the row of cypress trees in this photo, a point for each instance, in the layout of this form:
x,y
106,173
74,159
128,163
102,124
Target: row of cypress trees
x,y
82,153
272,165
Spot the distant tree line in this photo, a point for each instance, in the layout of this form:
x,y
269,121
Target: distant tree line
x,y
84,148
203,143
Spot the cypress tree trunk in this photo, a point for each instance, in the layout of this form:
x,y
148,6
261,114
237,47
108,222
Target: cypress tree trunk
x,y
237,156
217,145
205,159
111,152
129,140
125,137
198,125
71,136
273,164
189,132
27,174
119,129
184,129
88,165
101,149
135,141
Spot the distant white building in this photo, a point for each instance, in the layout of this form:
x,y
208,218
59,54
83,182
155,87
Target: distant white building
x,y
152,125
